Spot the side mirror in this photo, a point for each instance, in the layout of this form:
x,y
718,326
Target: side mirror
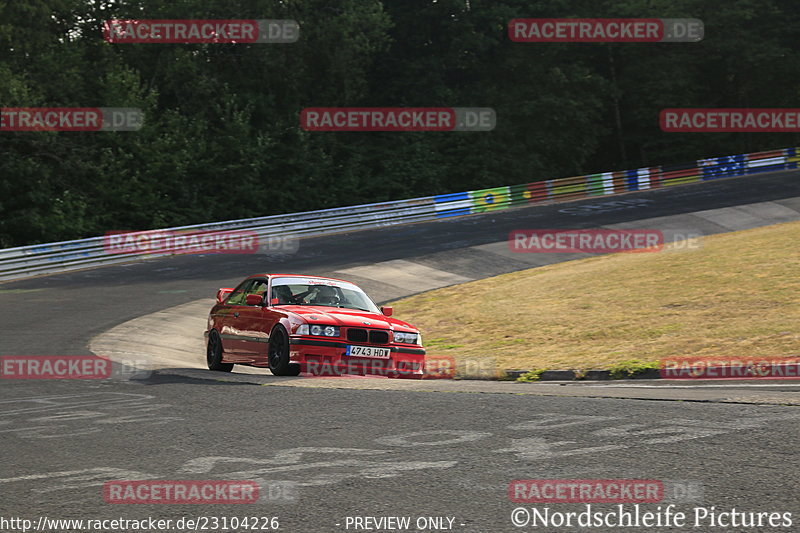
x,y
253,299
274,301
222,294
386,310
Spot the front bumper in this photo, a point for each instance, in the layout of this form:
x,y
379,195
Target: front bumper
x,y
323,357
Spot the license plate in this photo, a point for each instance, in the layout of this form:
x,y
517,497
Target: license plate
x,y
368,351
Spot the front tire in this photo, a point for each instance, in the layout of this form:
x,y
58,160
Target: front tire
x,y
278,354
214,354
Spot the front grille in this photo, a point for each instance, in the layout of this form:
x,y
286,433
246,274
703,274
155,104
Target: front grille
x,y
377,336
357,335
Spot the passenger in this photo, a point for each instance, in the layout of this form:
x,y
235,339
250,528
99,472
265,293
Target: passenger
x,y
326,295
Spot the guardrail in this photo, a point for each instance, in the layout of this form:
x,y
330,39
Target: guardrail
x,y
64,256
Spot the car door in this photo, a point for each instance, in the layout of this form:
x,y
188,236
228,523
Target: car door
x,y
253,324
231,331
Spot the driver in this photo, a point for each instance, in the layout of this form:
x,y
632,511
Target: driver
x,y
283,294
326,295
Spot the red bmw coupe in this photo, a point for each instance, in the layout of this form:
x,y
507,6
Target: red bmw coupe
x,y
321,326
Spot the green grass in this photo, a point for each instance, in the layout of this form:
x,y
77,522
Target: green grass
x,y
737,295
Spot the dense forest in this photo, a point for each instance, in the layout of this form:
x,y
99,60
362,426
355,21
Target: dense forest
x,y
222,139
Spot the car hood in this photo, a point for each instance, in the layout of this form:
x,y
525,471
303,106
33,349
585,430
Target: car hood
x,y
317,314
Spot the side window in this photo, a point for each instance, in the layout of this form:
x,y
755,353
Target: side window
x,y
238,296
259,287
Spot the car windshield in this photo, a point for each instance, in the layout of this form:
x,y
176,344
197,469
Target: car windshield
x,y
321,292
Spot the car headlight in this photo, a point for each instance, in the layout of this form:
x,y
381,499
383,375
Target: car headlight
x,y
318,330
406,338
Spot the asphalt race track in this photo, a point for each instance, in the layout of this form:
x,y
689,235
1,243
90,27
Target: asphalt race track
x,y
325,455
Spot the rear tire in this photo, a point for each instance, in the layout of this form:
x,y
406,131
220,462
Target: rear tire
x,y
214,354
278,354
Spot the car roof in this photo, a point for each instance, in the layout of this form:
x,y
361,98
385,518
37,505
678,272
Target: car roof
x,y
274,275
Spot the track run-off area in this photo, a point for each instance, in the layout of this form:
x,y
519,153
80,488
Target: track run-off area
x,y
365,454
